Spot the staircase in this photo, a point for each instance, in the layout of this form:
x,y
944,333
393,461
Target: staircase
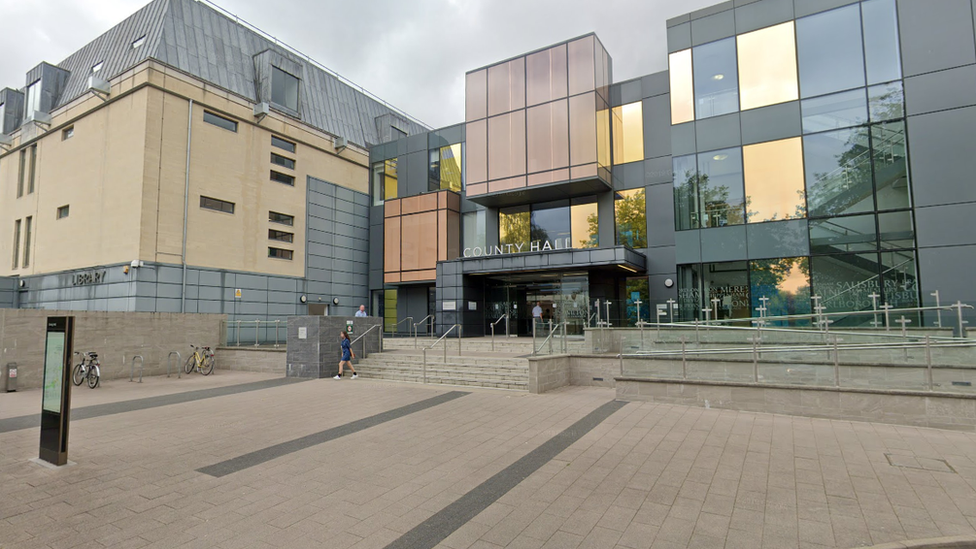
x,y
499,371
503,345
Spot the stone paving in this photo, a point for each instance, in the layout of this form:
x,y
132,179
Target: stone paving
x,y
650,475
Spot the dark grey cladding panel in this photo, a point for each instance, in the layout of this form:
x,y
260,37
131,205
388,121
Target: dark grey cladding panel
x,y
417,143
679,37
687,247
945,225
713,27
657,126
763,13
628,176
770,123
626,92
683,139
723,244
446,136
655,84
936,35
941,90
658,171
942,161
807,7
939,270
416,171
711,10
661,260
778,239
718,132
660,224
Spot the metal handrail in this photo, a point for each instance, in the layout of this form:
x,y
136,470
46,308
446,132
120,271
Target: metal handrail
x,y
447,333
425,319
362,335
396,326
814,315
179,363
503,317
547,339
761,329
258,325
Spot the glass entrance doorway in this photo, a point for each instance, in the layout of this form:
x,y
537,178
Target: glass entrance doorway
x,y
561,297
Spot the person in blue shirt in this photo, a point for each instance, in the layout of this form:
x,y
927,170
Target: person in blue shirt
x,y
347,355
361,311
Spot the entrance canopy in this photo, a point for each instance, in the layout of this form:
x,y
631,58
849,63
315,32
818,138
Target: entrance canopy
x,y
621,257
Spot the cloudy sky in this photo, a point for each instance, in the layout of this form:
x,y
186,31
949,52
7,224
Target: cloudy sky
x,y
411,53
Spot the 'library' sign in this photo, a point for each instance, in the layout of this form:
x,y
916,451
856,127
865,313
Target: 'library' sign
x,y
85,279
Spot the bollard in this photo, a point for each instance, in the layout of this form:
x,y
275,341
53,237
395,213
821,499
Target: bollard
x,y
238,333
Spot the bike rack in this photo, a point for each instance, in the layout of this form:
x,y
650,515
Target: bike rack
x,y
179,363
132,367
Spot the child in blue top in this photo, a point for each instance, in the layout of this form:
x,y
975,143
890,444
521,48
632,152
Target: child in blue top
x,y
347,355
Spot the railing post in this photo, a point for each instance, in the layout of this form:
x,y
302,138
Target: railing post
x,y
238,333
550,336
459,340
425,365
621,357
257,329
928,361
836,364
277,324
684,363
493,337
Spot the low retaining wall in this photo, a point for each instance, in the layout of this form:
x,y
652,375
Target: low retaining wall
x,y
548,372
945,411
115,336
245,359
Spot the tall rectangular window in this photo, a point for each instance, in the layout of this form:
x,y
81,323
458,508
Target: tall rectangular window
x,y
881,49
16,258
628,133
830,52
450,167
774,180
585,222
21,173
33,102
721,195
33,169
473,227
284,89
630,214
716,83
767,66
682,90
2,114
513,226
378,184
390,179
27,241
389,310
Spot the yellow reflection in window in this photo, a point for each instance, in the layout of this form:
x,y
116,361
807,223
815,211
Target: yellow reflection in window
x,y
774,180
451,167
682,90
628,133
513,225
630,212
602,132
390,179
767,67
389,310
585,225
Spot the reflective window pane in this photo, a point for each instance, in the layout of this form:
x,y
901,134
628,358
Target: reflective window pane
x,y
687,214
473,229
585,223
886,101
476,166
582,68
628,133
844,283
881,50
728,285
716,82
890,166
450,167
549,222
843,234
545,75
506,87
838,172
603,130
720,188
689,293
389,310
630,215
900,282
582,129
637,290
774,180
831,112
506,145
829,51
548,131
767,67
682,94
785,285
476,95
390,179
896,230
284,89
513,226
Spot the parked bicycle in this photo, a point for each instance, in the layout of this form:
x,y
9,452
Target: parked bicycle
x,y
87,369
202,360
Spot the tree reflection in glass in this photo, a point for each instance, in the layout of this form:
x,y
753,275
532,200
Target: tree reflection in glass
x,y
785,285
720,188
838,172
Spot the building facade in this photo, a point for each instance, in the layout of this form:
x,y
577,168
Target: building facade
x,y
797,154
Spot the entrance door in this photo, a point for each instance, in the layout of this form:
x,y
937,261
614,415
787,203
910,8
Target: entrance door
x,y
562,298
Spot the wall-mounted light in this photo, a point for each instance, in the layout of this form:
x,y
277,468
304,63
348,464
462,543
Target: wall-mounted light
x,y
335,300
668,283
125,269
302,299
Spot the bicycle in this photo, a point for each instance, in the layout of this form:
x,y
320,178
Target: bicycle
x,y
87,369
202,361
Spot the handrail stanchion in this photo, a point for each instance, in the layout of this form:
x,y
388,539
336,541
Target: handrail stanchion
x,y
550,336
132,367
257,330
621,357
277,324
238,333
504,316
362,335
179,363
836,364
459,340
684,362
928,361
425,365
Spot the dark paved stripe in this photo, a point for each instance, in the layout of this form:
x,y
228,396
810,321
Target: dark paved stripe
x,y
258,457
433,530
98,410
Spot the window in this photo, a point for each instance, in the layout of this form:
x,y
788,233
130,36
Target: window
x,y
628,133
473,227
33,169
767,67
67,133
219,121
550,222
282,178
97,67
886,102
33,100
716,82
682,91
384,181
854,233
284,219
281,236
2,114
890,159
585,222
838,173
139,41
62,212
630,214
280,253
282,144
829,51
830,112
28,162
774,180
444,172
282,161
22,173
720,192
27,241
284,89
217,205
881,50
513,226
389,310
16,257
784,282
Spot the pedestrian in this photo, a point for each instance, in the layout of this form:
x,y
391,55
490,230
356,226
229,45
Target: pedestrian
x,y
347,355
537,311
361,311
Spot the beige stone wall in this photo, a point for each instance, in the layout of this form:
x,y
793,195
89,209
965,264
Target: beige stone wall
x,y
547,373
113,336
242,359
123,174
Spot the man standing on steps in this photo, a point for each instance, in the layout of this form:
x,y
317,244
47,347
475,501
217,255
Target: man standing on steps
x,y
361,311
536,316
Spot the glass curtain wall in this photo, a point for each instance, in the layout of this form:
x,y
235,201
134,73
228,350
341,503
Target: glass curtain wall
x,y
560,224
630,211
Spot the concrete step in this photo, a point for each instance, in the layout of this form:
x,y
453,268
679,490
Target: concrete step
x,y
445,374
443,368
472,361
517,385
